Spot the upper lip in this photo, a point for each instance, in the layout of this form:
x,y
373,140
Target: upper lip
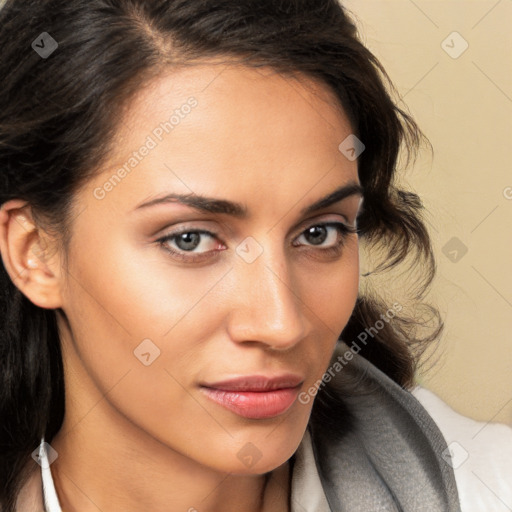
x,y
257,383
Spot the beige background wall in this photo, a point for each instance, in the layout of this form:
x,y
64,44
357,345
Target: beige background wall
x,y
463,102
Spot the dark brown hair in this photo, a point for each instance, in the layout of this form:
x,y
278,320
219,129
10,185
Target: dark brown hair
x,y
57,118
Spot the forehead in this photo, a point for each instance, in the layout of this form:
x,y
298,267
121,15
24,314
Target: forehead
x,y
233,101
220,129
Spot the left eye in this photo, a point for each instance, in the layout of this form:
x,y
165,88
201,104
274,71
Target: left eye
x,y
318,234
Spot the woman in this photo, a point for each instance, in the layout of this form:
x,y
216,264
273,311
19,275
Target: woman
x,y
185,186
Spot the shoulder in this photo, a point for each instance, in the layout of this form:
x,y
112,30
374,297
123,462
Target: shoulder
x,y
480,454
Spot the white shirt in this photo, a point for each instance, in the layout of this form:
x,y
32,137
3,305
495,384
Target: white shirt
x,y
481,456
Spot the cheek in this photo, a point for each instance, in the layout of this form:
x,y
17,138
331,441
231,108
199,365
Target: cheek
x,y
126,302
141,289
331,290
140,325
331,297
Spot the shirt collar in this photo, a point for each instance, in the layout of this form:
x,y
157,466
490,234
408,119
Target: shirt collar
x,y
307,494
50,498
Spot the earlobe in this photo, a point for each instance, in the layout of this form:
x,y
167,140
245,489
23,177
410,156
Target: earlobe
x,y
26,257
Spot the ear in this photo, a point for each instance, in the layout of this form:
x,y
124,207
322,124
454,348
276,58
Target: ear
x,y
29,255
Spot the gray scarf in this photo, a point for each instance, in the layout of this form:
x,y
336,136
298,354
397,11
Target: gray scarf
x,y
375,446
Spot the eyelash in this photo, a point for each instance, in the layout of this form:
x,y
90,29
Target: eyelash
x,y
343,229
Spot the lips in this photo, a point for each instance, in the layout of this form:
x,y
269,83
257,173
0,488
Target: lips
x,y
257,383
255,397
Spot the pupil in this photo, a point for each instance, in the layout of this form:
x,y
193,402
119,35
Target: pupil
x,y
190,241
319,234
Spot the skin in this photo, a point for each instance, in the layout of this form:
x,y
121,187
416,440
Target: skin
x,y
136,434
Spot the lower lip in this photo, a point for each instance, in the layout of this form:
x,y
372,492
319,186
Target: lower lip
x,y
254,404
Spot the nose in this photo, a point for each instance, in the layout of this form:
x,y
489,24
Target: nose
x,y
266,304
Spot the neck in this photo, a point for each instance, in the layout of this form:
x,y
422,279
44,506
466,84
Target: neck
x,y
113,472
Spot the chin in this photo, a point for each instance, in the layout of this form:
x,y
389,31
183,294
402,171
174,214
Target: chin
x,y
256,455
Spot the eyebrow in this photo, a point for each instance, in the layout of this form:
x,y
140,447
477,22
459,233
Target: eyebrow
x,y
213,205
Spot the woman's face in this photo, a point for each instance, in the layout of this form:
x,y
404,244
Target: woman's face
x,y
266,293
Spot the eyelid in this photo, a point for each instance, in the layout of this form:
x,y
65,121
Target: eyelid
x,y
321,219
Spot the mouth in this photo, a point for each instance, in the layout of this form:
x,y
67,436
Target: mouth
x,y
255,397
